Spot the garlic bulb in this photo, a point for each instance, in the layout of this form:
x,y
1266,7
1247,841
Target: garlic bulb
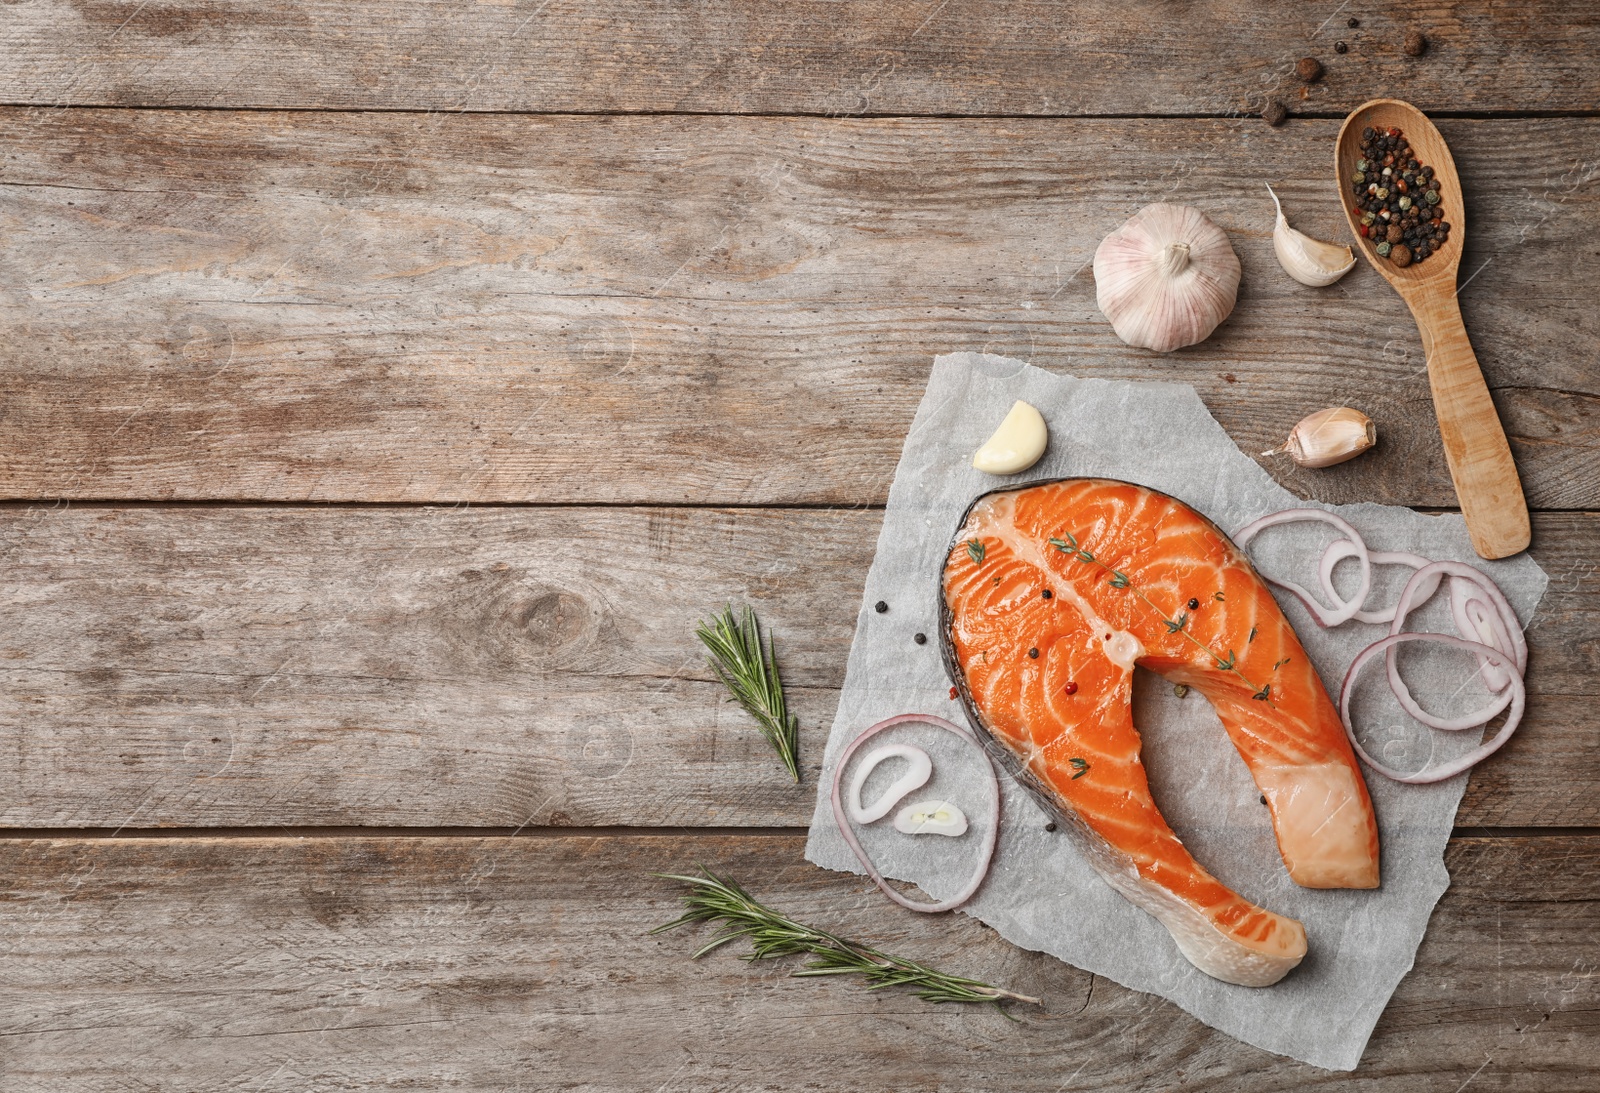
x,y
1166,278
1309,261
1328,437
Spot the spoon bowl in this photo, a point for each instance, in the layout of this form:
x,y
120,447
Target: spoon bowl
x,y
1475,447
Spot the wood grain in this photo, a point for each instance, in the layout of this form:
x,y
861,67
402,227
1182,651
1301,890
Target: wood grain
x,y
503,964
739,56
255,666
219,305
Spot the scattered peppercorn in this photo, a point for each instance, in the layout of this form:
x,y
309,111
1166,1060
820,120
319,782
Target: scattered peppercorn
x,y
1071,688
1352,22
1179,689
1194,604
1398,198
1033,654
1275,114
1416,44
1047,593
880,607
952,694
1340,47
1263,799
920,639
1051,826
1308,69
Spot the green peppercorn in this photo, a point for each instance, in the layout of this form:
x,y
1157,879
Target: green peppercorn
x,y
1383,250
1405,202
1431,197
1360,178
1367,218
1383,193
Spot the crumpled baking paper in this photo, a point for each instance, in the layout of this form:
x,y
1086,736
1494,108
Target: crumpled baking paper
x,y
1040,894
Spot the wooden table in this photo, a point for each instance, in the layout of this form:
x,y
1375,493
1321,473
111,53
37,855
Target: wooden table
x,y
388,388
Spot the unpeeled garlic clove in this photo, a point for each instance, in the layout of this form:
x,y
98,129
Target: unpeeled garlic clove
x,y
1309,261
931,818
1167,278
1328,437
1016,445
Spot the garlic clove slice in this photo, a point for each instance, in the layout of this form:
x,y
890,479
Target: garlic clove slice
x,y
931,818
1016,445
1328,437
1309,261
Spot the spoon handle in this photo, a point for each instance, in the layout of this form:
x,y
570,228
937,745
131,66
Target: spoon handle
x,y
1474,443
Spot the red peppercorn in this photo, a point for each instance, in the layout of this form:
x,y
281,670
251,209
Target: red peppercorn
x,y
952,694
1366,232
1072,688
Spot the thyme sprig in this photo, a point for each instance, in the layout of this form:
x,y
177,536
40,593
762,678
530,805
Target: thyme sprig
x,y
712,899
1175,625
750,672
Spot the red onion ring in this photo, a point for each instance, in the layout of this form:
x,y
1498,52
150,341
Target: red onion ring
x,y
1324,616
1518,698
1340,549
1515,657
1480,609
849,834
1479,621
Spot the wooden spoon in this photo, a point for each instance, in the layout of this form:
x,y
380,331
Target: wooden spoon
x,y
1474,443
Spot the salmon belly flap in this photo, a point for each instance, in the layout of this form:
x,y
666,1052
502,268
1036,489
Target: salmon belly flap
x,y
1052,593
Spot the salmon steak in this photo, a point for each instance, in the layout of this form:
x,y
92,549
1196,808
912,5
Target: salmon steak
x,y
1052,593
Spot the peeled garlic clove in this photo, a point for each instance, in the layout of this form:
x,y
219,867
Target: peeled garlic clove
x,y
1309,261
1328,437
1167,278
931,818
1016,445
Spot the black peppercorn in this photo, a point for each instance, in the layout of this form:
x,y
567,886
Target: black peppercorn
x,y
1051,826
1275,113
1340,47
1367,134
1308,69
880,607
1033,654
1416,44
1047,593
920,639
1352,22
1194,604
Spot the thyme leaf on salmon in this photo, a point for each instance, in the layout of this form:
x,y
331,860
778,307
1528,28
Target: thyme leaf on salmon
x,y
975,551
713,899
1119,579
749,669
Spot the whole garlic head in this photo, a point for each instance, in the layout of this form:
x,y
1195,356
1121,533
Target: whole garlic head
x,y
1167,278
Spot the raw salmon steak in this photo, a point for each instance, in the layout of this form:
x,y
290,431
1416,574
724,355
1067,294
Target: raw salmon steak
x,y
1051,594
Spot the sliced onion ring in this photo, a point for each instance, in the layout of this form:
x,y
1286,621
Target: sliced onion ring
x,y
1517,692
1480,621
1325,617
1515,658
1340,549
849,834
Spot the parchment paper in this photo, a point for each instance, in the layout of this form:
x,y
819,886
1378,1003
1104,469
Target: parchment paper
x,y
1040,894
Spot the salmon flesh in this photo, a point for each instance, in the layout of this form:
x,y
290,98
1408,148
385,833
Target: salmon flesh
x,y
1051,594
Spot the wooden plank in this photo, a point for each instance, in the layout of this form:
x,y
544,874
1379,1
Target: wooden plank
x,y
495,964
738,56
219,305
244,666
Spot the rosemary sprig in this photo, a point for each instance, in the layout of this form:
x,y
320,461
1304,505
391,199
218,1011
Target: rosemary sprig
x,y
712,899
751,674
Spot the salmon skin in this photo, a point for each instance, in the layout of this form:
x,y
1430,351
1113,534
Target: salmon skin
x,y
1051,593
